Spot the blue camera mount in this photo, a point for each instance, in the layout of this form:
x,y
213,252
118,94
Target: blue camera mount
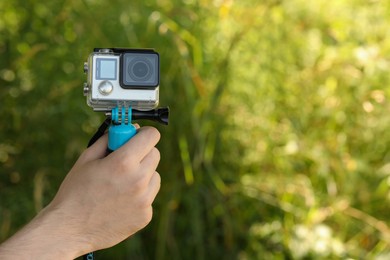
x,y
121,130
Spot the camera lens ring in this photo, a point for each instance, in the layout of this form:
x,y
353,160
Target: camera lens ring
x,y
140,69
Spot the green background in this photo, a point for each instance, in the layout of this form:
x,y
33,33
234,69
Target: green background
x,y
278,143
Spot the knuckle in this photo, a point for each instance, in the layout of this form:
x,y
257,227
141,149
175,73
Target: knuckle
x,y
156,154
153,132
157,133
139,186
124,165
147,215
150,192
157,176
145,201
121,167
85,155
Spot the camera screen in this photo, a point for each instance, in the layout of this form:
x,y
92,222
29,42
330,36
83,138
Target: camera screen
x,y
106,69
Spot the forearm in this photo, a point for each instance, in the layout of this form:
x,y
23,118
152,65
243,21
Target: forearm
x,y
44,238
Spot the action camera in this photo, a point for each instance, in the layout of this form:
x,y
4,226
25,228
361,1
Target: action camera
x,y
122,76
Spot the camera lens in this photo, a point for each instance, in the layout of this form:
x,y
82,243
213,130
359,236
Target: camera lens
x,y
140,69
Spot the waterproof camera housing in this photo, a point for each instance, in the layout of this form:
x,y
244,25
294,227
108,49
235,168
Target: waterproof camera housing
x,y
122,77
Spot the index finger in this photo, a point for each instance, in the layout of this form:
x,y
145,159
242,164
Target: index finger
x,y
140,145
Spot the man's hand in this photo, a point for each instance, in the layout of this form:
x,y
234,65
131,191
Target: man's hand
x,y
101,202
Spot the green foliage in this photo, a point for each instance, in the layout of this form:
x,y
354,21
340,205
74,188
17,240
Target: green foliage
x,y
278,141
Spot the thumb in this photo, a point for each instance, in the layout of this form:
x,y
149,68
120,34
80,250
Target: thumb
x,y
97,151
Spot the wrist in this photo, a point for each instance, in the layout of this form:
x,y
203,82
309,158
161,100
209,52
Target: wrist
x,y
50,234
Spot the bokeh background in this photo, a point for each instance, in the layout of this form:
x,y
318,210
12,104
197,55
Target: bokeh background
x,y
278,145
